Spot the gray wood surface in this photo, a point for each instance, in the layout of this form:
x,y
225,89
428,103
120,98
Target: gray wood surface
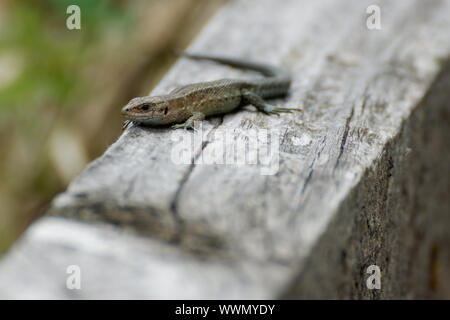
x,y
361,176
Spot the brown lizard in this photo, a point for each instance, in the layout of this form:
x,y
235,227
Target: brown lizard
x,y
187,104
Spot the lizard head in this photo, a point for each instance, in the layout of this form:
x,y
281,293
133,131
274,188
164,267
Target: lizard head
x,y
147,110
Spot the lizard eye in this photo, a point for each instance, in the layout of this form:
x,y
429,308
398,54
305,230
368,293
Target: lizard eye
x,y
145,107
165,110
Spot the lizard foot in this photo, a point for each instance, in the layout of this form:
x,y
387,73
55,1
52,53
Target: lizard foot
x,y
183,125
278,110
188,125
191,123
126,124
261,105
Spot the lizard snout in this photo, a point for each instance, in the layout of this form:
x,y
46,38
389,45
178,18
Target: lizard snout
x,y
125,110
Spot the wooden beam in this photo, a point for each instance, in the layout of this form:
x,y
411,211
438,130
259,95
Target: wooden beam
x,y
358,178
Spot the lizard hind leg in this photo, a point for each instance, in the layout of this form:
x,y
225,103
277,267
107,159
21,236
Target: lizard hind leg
x,y
263,106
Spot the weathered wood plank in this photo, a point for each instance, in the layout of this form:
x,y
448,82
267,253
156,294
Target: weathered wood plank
x,y
338,198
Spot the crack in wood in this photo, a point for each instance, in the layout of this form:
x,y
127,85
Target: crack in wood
x,y
365,98
308,179
186,175
344,137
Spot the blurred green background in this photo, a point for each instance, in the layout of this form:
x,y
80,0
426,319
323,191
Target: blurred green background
x,y
61,90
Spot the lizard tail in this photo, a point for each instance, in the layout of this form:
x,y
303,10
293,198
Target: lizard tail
x,y
267,70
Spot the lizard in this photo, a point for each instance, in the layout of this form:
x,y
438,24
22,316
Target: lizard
x,y
187,104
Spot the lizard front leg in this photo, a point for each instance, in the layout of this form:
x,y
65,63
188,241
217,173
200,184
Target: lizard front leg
x,y
189,123
126,124
263,106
